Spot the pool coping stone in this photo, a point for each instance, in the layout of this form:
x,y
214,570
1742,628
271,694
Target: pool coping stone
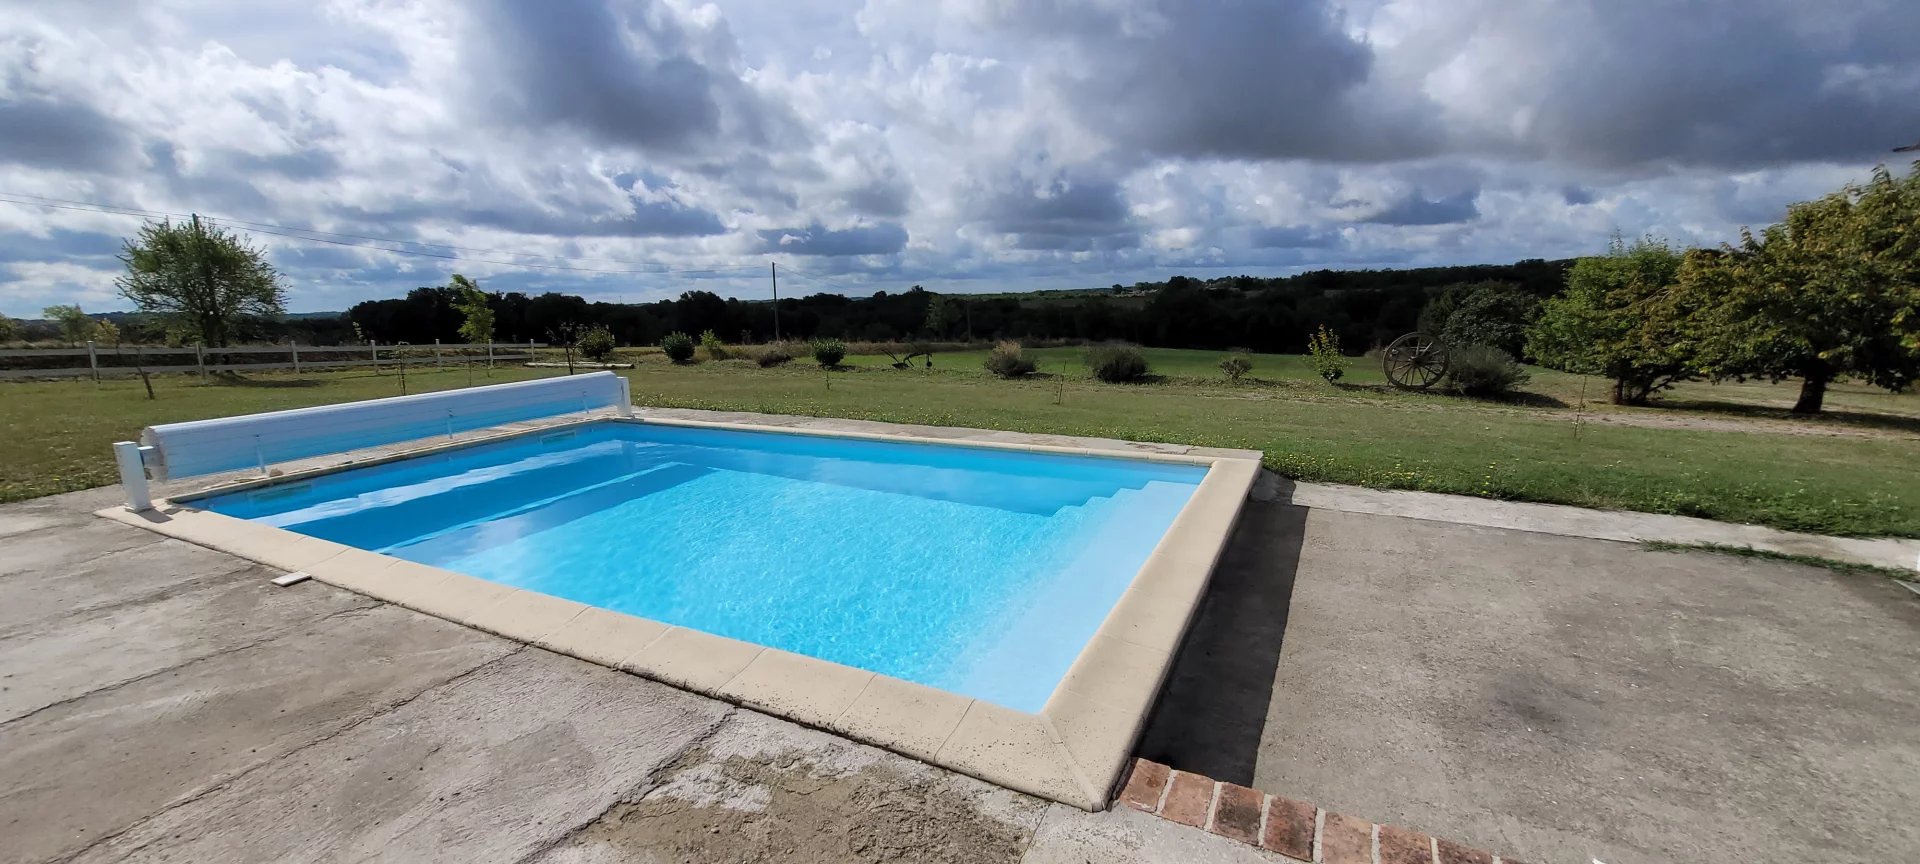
x,y
1074,750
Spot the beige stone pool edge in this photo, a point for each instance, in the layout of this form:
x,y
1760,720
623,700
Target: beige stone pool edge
x,y
1073,751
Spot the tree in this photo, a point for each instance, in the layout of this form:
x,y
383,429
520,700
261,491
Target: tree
x,y
1495,314
9,331
939,316
1831,292
1621,317
75,326
201,278
476,314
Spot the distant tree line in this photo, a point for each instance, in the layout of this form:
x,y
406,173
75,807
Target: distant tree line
x,y
1364,307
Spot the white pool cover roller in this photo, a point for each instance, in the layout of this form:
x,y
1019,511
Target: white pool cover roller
x,y
257,440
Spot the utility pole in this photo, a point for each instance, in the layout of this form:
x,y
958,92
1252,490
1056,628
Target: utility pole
x,y
773,267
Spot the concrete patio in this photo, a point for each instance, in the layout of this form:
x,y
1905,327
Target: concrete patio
x,y
1550,698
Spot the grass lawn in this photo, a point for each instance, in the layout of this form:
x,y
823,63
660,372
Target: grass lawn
x,y
56,434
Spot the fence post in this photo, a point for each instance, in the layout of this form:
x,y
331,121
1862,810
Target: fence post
x,y
436,355
489,353
200,361
373,346
294,346
93,360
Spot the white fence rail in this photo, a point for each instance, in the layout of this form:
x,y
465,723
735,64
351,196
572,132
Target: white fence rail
x,y
101,361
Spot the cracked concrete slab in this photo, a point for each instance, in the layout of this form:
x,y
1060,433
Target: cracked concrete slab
x,y
73,655
65,547
84,770
129,575
449,776
763,789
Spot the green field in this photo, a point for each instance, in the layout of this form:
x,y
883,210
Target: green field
x,y
1743,466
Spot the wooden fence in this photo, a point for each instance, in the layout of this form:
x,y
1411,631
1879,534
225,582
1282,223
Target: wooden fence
x,y
98,361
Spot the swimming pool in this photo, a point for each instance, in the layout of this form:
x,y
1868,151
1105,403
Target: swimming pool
x,y
1000,604
980,572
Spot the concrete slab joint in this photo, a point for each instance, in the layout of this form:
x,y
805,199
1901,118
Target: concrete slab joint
x,y
1073,751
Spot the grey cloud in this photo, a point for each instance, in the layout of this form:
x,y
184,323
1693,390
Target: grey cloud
x,y
638,79
1062,214
1727,84
45,133
1240,79
1577,195
1291,237
885,238
1417,209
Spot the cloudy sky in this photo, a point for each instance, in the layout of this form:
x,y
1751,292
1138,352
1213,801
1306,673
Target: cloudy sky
x,y
966,145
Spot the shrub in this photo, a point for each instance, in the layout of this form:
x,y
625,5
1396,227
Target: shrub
x,y
829,352
1117,363
597,344
1483,370
1236,365
1323,354
715,349
775,354
1007,361
679,347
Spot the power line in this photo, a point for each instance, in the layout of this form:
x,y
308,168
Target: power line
x,y
297,233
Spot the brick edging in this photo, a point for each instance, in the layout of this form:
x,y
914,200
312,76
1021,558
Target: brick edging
x,y
1276,823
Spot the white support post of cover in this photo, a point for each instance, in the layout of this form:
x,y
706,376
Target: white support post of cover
x,y
133,476
626,397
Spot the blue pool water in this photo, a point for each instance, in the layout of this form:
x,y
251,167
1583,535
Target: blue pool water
x,y
980,572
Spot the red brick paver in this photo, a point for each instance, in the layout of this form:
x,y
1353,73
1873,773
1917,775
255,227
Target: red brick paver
x,y
1144,786
1454,853
1289,828
1189,799
1346,840
1237,814
1401,846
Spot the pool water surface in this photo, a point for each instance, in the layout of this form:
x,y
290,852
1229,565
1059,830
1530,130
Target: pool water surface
x,y
977,571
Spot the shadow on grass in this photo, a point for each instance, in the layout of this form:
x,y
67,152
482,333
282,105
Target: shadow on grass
x,y
1519,398
233,379
1212,714
1893,422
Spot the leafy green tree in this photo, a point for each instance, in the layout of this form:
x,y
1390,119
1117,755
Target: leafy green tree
x,y
1831,292
199,277
476,314
940,316
1621,317
1495,314
75,326
9,330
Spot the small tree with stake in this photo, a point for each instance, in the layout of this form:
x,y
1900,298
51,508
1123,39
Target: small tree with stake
x,y
476,314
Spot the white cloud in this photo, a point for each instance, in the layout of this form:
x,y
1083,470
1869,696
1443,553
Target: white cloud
x,y
972,143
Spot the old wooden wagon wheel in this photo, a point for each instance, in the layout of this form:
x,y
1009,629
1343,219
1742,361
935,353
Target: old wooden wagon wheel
x,y
1416,361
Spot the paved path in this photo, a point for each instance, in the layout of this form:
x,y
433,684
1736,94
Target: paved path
x,y
1388,655
1549,697
162,702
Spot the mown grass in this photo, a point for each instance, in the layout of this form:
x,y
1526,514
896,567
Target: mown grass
x,y
56,434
